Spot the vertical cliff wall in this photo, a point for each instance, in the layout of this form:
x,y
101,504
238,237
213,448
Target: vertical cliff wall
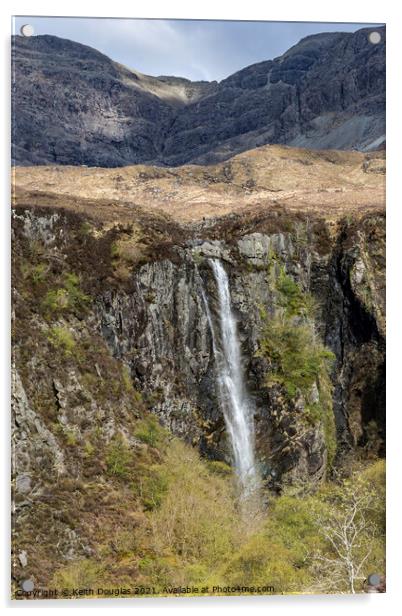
x,y
152,319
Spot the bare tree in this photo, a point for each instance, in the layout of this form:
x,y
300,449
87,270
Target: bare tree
x,y
348,533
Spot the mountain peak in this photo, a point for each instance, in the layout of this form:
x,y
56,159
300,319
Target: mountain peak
x,y
74,105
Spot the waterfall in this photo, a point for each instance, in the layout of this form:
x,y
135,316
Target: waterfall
x,y
236,405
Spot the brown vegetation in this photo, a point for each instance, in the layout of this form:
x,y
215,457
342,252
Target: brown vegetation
x,y
328,183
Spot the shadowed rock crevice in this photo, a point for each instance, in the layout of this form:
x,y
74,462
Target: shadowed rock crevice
x,y
355,331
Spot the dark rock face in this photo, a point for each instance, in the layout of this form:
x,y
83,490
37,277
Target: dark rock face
x,y
158,327
170,346
355,330
73,105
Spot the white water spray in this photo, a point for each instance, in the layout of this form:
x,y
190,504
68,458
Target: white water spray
x,y
236,405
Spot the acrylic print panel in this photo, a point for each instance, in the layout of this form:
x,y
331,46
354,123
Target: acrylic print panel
x,y
198,301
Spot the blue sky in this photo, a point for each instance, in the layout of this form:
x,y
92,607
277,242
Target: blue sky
x,y
194,49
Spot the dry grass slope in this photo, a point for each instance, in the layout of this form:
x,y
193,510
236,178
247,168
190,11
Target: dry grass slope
x,y
329,183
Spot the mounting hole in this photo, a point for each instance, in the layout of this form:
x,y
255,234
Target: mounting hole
x,y
27,30
27,585
374,579
374,38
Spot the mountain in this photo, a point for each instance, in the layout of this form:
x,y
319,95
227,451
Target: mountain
x,y
73,105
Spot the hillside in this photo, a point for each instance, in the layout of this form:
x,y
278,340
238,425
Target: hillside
x,y
325,183
122,468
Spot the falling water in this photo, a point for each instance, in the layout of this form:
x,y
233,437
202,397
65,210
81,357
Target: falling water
x,y
236,405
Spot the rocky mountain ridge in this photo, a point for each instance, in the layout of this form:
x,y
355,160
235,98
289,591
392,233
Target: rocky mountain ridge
x,y
73,105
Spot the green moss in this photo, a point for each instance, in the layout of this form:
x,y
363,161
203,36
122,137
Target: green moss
x,y
197,257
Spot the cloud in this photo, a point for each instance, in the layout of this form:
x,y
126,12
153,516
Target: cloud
x,y
195,49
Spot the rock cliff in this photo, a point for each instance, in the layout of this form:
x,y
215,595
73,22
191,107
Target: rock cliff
x,y
147,308
111,338
73,105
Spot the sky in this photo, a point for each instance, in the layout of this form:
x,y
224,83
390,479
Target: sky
x,y
198,50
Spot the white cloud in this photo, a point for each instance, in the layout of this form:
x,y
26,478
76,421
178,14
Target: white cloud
x,y
194,49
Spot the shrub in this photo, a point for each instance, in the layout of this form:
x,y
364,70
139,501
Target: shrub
x,y
151,486
298,360
292,298
56,299
196,519
118,457
38,273
68,297
264,561
149,431
61,338
83,573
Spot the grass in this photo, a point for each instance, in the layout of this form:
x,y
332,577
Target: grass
x,y
150,431
118,457
61,338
